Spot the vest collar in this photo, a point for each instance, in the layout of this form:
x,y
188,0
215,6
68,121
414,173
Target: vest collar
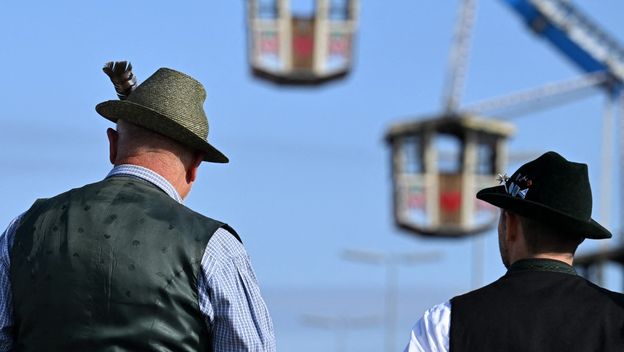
x,y
146,175
535,264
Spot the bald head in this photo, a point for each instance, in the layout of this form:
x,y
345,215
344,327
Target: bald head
x,y
132,144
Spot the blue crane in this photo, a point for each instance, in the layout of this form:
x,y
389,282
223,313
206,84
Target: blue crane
x,y
576,36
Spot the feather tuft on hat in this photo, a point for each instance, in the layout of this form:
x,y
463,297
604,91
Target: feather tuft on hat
x,y
120,73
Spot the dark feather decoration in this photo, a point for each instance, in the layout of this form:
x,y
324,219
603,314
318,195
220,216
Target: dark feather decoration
x,y
120,73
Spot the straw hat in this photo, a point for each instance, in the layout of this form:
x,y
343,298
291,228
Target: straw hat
x,y
170,103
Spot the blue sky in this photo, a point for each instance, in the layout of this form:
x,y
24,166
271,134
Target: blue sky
x,y
309,173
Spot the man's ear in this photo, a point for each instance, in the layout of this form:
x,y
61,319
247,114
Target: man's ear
x,y
512,222
191,173
113,138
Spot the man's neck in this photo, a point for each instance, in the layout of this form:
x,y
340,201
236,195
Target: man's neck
x,y
170,170
567,258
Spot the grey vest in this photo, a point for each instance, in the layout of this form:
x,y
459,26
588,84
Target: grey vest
x,y
111,266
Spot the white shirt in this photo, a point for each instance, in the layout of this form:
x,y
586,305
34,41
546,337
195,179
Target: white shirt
x,y
431,332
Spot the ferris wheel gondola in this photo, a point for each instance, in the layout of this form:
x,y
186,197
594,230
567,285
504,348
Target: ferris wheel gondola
x,y
300,50
438,165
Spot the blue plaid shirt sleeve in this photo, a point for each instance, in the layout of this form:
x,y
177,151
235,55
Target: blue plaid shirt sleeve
x,y
229,298
6,299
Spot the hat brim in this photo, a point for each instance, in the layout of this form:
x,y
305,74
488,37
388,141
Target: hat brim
x,y
143,116
497,196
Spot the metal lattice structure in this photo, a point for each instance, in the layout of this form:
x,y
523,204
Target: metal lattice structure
x,y
576,36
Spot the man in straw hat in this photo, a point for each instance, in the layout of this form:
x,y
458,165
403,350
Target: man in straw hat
x,y
540,304
121,264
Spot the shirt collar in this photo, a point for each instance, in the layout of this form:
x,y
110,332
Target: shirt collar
x,y
541,264
147,175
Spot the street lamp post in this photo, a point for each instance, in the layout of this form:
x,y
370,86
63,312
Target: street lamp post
x,y
392,261
341,325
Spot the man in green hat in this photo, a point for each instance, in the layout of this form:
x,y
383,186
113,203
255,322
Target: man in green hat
x,y
122,264
540,304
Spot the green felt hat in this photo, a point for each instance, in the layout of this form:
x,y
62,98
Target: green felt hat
x,y
170,103
552,190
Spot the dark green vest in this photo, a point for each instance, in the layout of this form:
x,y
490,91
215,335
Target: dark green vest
x,y
111,266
